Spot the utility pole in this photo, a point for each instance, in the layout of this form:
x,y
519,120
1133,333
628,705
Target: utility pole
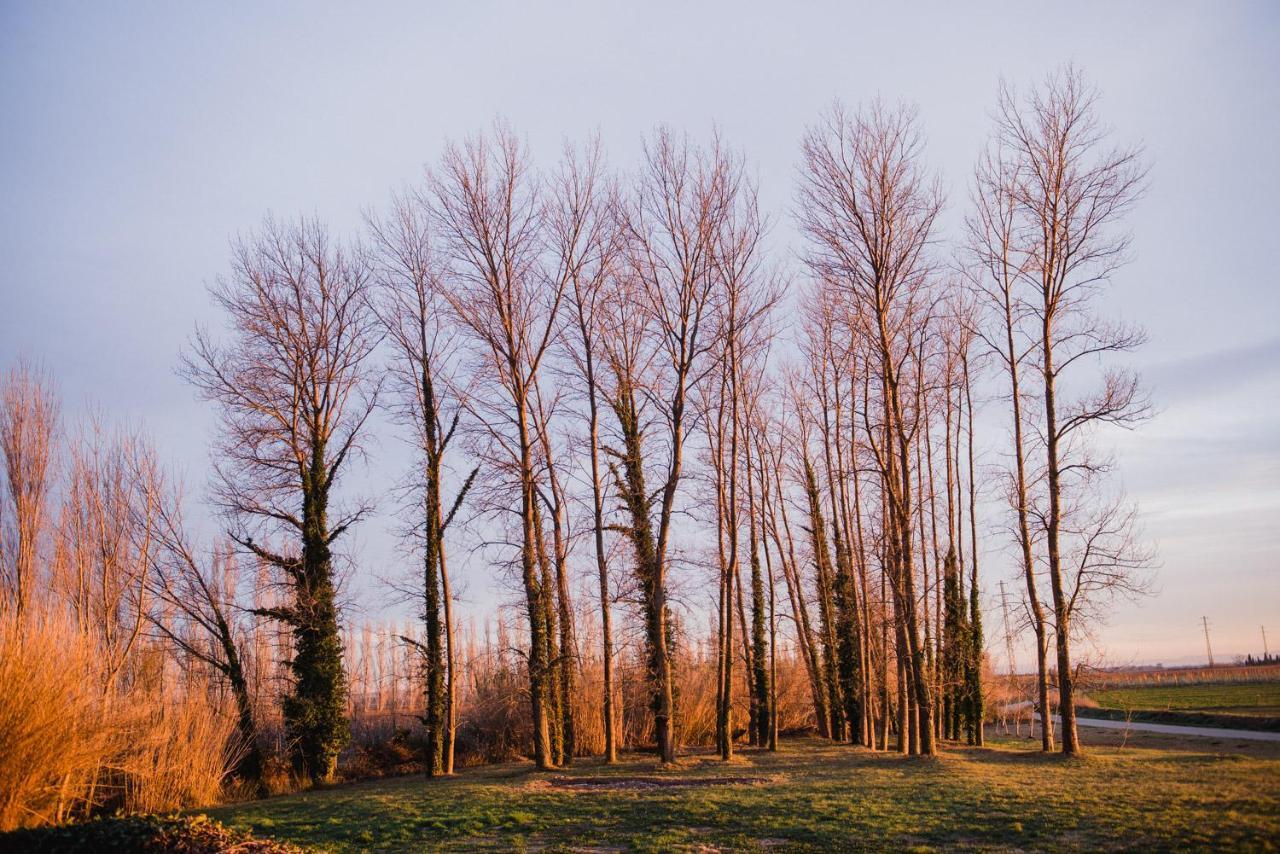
x,y
1208,648
1266,653
1008,630
1008,645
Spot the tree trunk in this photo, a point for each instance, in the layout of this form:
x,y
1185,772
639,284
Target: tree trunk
x,y
826,605
977,710
534,596
602,568
1061,608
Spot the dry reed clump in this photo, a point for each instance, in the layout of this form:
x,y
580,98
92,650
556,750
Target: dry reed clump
x,y
494,718
53,730
74,742
493,715
179,756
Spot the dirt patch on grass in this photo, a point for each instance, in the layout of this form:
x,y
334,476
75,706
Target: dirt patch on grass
x,y
596,784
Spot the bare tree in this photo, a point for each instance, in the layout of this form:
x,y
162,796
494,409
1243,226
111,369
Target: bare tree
x,y
293,390
201,591
726,400
28,435
489,213
423,371
997,264
106,542
585,233
715,401
824,572
868,211
1070,191
830,346
682,198
747,294
974,708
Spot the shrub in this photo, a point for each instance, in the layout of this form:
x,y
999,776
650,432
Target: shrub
x,y
190,835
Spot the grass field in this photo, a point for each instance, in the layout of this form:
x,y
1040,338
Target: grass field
x,y
813,796
1243,698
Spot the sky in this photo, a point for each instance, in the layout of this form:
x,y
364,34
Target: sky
x,y
137,140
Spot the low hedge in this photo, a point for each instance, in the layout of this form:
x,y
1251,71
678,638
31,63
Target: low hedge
x,y
196,834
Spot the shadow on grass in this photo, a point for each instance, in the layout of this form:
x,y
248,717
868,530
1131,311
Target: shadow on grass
x,y
1022,758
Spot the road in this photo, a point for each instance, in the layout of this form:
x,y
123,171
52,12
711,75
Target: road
x,y
1171,729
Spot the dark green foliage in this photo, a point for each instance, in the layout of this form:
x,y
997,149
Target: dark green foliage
x,y
962,705
974,707
141,833
848,649
315,713
826,604
955,649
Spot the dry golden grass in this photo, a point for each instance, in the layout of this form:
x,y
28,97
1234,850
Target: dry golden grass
x,y
72,741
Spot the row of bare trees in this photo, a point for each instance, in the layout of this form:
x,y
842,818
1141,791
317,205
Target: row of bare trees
x,y
616,370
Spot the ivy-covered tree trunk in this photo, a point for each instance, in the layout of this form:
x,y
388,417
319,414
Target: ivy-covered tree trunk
x,y
807,642
826,606
866,636
973,671
759,650
955,649
315,710
631,487
724,604
554,688
250,765
433,718
795,593
536,593
315,714
568,728
748,659
848,649
974,682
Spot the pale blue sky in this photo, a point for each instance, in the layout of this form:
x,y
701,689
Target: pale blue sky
x,y
136,139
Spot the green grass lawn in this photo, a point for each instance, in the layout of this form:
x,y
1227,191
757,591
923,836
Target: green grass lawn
x,y
1243,698
810,796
